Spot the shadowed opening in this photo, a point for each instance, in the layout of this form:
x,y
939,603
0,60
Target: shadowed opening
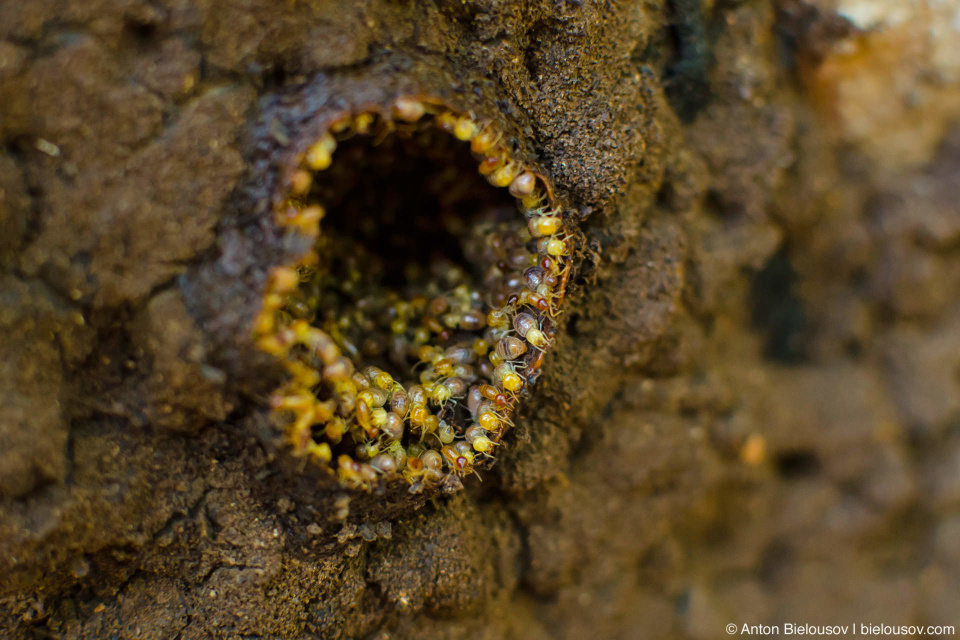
x,y
411,202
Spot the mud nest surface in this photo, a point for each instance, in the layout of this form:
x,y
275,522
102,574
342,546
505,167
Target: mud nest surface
x,y
744,410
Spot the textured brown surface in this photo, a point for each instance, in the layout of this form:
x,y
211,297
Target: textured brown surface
x,y
751,414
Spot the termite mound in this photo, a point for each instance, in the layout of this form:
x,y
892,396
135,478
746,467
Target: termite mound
x,y
419,267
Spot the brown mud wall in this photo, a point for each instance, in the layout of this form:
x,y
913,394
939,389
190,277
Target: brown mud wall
x,y
751,414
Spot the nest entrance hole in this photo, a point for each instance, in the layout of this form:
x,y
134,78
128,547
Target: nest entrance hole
x,y
409,203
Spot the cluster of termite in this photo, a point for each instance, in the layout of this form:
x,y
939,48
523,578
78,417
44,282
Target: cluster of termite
x,y
419,379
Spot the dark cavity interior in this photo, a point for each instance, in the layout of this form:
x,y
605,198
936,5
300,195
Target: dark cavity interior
x,y
409,200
